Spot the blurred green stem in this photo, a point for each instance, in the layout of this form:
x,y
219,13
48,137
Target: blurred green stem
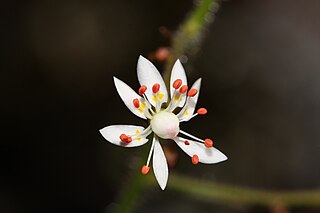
x,y
190,33
228,194
131,193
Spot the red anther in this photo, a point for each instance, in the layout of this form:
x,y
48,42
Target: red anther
x,y
145,169
187,142
142,89
136,103
208,142
155,88
177,83
192,92
128,140
202,111
183,89
195,159
123,137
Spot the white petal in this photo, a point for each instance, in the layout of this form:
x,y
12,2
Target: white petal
x,y
127,95
206,155
112,134
148,75
186,114
160,166
178,73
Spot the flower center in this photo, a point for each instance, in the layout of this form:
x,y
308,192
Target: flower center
x,y
165,125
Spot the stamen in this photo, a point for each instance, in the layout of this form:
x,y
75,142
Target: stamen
x,y
177,96
142,89
177,83
191,136
202,111
155,88
192,92
145,169
187,142
150,152
143,133
208,142
183,110
194,115
148,105
144,107
183,114
136,103
183,89
195,159
147,114
174,102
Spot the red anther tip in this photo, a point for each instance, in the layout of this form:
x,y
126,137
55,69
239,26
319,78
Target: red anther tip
x,y
177,83
202,111
136,103
142,89
145,169
123,137
183,89
187,143
155,88
195,159
192,92
208,143
128,140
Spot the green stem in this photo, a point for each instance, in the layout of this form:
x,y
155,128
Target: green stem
x,y
131,193
228,194
190,33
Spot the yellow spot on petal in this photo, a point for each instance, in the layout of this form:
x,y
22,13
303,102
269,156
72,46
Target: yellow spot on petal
x,y
137,131
180,99
160,96
143,105
154,98
140,110
176,97
186,113
139,139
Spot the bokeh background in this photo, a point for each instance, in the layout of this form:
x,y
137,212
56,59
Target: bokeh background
x,y
261,83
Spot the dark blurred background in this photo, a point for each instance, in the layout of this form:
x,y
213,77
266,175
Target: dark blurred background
x,y
260,67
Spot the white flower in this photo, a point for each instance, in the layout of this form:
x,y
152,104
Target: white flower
x,y
163,122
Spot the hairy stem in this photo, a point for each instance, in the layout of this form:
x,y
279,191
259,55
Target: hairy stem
x,y
190,33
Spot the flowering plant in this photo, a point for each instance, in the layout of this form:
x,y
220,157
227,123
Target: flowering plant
x,y
149,104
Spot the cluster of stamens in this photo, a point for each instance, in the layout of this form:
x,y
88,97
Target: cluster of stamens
x,y
144,106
